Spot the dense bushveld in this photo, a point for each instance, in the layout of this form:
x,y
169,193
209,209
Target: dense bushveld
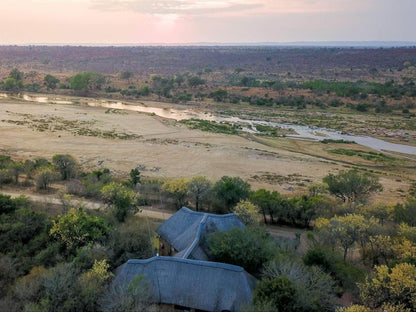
x,y
63,259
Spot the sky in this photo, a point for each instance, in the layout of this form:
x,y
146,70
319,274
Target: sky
x,y
204,21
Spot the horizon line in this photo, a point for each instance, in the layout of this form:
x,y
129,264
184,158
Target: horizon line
x,y
329,43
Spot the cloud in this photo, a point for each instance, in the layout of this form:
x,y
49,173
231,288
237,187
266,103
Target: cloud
x,y
177,7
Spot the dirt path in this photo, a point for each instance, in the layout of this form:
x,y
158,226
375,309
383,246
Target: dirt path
x,y
148,211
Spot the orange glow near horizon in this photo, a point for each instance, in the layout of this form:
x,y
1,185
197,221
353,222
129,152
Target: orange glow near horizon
x,y
186,21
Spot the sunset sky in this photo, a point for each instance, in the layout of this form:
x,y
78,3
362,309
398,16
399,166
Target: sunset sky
x,y
193,21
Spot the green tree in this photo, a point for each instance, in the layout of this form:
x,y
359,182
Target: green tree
x,y
219,95
247,247
134,177
198,188
66,165
50,81
195,81
44,177
16,168
16,74
7,204
227,192
266,201
120,199
11,84
87,81
406,212
278,291
314,288
352,186
77,229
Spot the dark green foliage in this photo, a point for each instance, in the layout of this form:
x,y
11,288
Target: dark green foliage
x,y
227,192
50,81
162,86
406,212
219,95
32,87
346,274
278,291
267,202
87,81
16,74
352,186
247,247
7,204
23,234
66,165
13,85
195,81
211,126
326,141
134,176
377,157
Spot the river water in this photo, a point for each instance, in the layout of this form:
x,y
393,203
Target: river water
x,y
248,125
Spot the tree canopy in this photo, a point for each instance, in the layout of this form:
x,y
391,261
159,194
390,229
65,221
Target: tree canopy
x,y
352,186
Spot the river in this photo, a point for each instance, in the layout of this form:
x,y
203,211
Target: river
x,y
248,125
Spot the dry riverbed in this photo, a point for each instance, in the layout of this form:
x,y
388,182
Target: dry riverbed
x,y
121,140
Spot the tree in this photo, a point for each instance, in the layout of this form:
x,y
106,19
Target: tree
x,y
314,288
227,192
87,81
130,240
317,188
178,188
247,247
198,188
396,286
278,291
92,284
346,230
15,169
352,186
266,201
406,213
246,211
219,95
120,199
126,74
7,204
134,177
44,177
131,297
66,165
77,229
50,81
16,74
195,81
11,84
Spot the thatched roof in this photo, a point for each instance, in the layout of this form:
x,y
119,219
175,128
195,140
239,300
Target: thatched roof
x,y
203,285
187,229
